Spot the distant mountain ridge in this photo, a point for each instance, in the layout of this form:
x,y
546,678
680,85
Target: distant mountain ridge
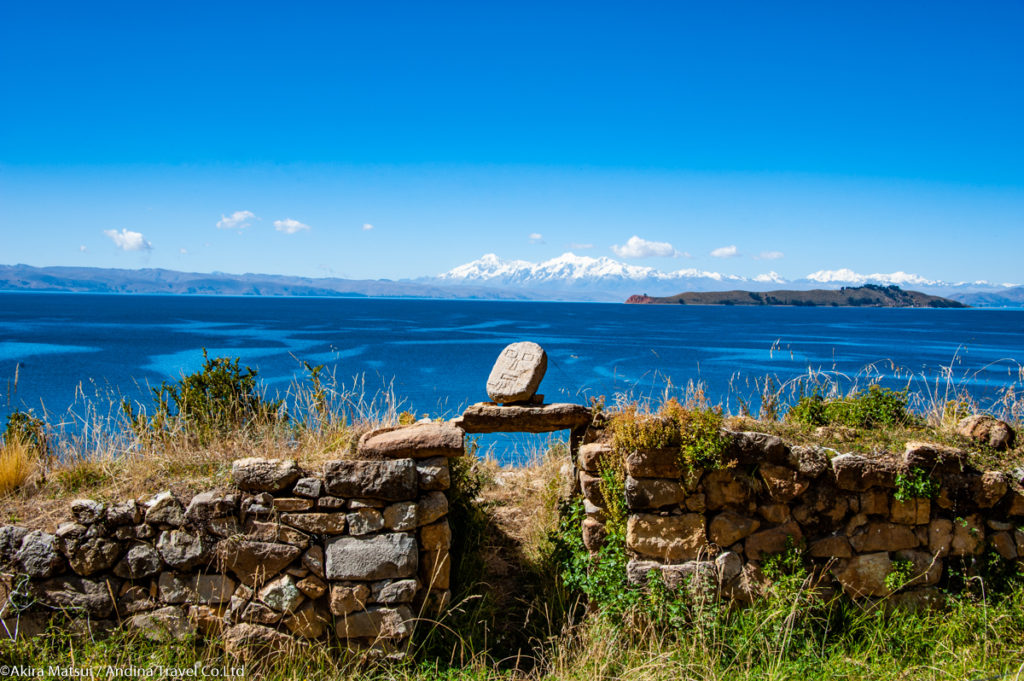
x,y
869,295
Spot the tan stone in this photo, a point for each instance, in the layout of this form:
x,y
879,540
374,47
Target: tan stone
x,y
264,475
1004,545
773,540
594,534
724,488
982,428
591,486
836,546
774,513
267,531
290,504
874,502
436,537
385,623
417,441
307,621
654,463
208,619
911,511
593,456
675,538
487,417
880,536
517,373
1016,506
435,569
696,503
313,560
932,457
783,484
348,598
858,473
253,561
312,587
653,492
940,536
728,528
989,489
251,641
316,523
864,575
927,568
968,536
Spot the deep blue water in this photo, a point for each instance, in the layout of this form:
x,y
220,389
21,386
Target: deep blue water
x,y
438,353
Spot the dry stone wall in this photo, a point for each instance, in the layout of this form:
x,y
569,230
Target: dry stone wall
x,y
354,550
843,511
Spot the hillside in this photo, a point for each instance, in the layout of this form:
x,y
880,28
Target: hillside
x,y
869,295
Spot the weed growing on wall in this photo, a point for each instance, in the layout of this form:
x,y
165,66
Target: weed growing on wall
x,y
900,574
915,484
874,407
697,432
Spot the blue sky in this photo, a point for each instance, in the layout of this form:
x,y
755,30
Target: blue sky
x,y
876,136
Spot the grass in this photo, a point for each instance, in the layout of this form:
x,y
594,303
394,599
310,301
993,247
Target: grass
x,y
16,465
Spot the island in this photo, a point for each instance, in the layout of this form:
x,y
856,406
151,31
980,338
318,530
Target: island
x,y
869,295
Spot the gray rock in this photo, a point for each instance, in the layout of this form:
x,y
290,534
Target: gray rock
x,y
165,509
258,504
210,589
517,373
416,441
92,596
87,511
434,473
401,517
264,475
858,473
991,431
729,566
209,505
392,593
257,613
247,641
387,480
164,625
313,560
254,561
281,594
10,541
93,555
432,507
125,513
39,555
375,623
311,488
183,550
365,521
809,461
383,556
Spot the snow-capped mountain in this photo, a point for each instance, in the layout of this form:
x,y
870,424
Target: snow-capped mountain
x,y
575,277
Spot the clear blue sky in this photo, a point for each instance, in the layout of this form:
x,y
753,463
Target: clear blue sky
x,y
877,136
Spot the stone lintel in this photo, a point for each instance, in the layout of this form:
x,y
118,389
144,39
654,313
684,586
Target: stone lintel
x,y
488,417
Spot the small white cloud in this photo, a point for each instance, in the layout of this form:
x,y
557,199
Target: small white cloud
x,y
642,248
240,219
128,240
367,227
725,252
580,247
289,226
536,238
183,251
82,249
769,255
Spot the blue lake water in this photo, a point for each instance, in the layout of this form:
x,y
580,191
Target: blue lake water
x,y
437,353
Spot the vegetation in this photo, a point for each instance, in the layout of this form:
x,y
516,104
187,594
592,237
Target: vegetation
x,y
915,484
874,407
694,428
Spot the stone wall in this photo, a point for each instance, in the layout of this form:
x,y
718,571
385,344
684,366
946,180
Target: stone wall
x,y
354,550
841,510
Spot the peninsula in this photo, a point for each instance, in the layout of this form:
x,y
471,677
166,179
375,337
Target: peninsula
x,y
869,295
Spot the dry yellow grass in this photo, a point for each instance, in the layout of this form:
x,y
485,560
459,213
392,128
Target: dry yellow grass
x,y
16,465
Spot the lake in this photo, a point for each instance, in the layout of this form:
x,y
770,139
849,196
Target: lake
x,y
436,354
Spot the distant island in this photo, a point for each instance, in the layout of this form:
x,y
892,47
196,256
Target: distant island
x,y
869,295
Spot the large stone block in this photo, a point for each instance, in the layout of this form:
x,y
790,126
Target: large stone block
x,y
164,625
517,373
991,431
879,536
864,575
384,556
654,463
783,484
724,487
857,473
728,528
416,441
968,536
773,540
77,594
374,623
316,523
394,480
39,555
755,448
933,457
140,561
675,538
209,589
183,550
255,474
434,473
592,457
653,492
164,509
254,561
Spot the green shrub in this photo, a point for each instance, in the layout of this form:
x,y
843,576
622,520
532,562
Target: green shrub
x,y
23,426
696,432
900,574
915,484
876,406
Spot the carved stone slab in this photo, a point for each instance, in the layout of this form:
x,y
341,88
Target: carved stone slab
x,y
485,417
517,373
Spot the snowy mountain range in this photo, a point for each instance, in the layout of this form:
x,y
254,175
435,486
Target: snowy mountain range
x,y
575,277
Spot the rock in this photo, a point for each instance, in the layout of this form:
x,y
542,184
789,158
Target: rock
x,y
696,574
164,509
925,571
313,560
345,599
874,502
209,620
331,503
434,473
486,417
208,505
590,485
316,523
224,527
1004,545
253,561
281,594
432,507
774,513
10,541
996,434
809,461
783,484
164,625
312,587
729,566
135,599
880,536
140,561
418,441
653,492
93,555
654,463
968,536
724,488
517,373
934,458
675,538
435,569
307,621
248,641
436,537
257,613
183,550
291,504
375,623
594,534
87,511
365,521
917,601
756,448
384,556
255,474
258,504
139,532
989,489
772,540
393,593
210,589
836,546
864,575
72,593
310,488
728,528
911,512
125,513
593,456
857,473
387,480
38,555
401,517
940,536
268,531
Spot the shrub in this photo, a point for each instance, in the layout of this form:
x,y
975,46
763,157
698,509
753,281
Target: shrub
x,y
915,484
697,433
29,430
900,574
876,406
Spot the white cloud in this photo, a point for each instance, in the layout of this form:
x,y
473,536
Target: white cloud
x,y
183,251
536,238
240,219
580,247
769,255
289,226
82,249
725,252
642,248
367,227
128,240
